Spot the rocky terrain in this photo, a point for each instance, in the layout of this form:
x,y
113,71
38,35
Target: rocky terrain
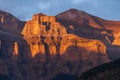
x,y
71,42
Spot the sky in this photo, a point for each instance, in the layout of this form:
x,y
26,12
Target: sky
x,y
24,9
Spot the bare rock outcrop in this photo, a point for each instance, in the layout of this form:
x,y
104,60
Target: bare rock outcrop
x,y
42,31
57,51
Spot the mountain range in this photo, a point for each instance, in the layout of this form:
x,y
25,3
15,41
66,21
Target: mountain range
x,y
71,42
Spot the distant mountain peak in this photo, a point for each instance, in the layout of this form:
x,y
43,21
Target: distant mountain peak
x,y
74,16
75,10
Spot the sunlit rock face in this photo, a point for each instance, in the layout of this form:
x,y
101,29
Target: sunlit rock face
x,y
89,44
16,49
60,52
43,30
47,37
116,39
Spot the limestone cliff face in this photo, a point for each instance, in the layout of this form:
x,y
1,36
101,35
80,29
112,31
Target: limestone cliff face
x,y
48,37
75,41
43,31
52,46
116,39
16,49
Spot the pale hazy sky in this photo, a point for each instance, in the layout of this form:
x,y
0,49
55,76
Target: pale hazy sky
x,y
24,9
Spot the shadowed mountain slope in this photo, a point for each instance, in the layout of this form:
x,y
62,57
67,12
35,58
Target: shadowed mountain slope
x,y
108,71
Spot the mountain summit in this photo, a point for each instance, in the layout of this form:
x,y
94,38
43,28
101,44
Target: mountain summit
x,y
73,15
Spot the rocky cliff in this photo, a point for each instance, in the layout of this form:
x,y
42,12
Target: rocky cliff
x,y
44,31
71,42
41,32
50,43
92,27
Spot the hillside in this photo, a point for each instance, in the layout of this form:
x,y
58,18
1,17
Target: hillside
x,y
109,71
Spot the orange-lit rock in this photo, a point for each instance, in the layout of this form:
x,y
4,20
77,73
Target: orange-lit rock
x,y
50,42
116,39
43,28
16,49
48,19
37,48
75,41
